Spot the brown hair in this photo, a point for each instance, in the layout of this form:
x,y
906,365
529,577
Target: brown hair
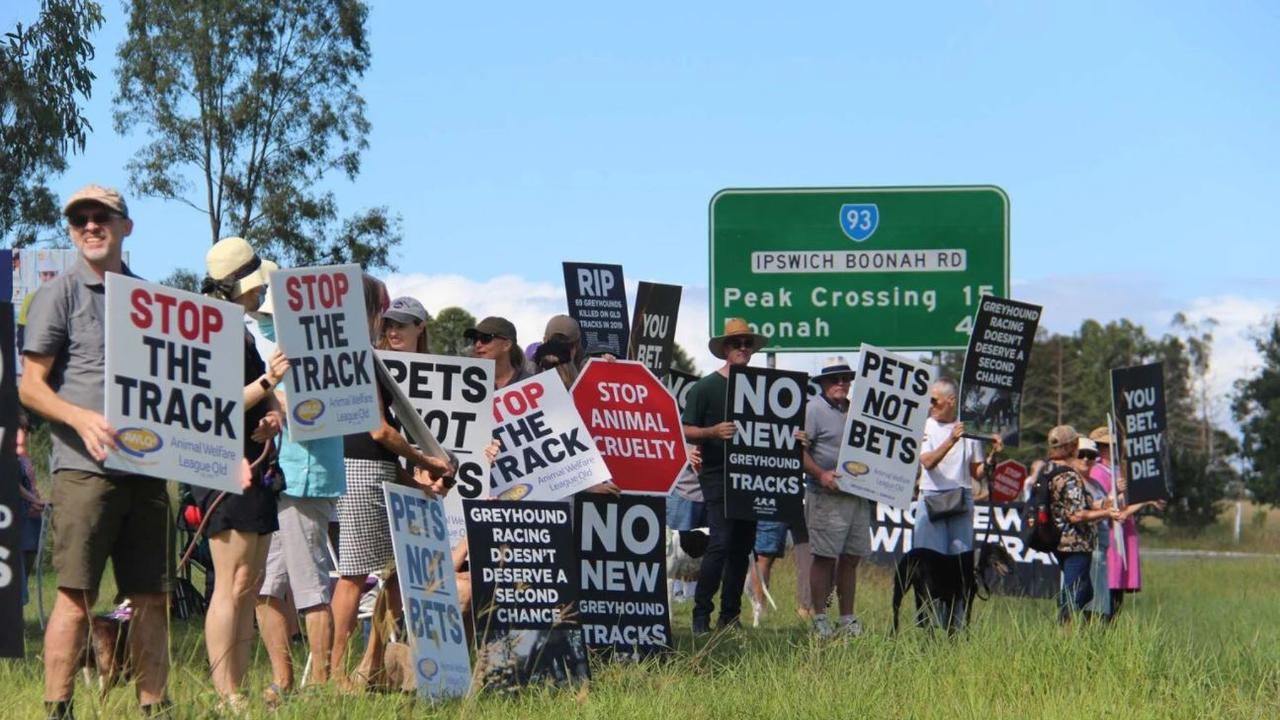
x,y
424,337
373,293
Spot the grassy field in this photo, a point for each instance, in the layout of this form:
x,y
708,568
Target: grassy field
x,y
1201,641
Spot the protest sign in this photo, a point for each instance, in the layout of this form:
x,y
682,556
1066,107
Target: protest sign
x,y
429,591
175,383
994,368
763,458
623,605
1035,573
1137,400
598,301
653,329
322,327
888,404
524,572
453,396
1007,481
634,423
11,515
678,383
546,452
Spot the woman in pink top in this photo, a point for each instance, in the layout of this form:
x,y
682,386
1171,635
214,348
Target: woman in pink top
x,y
1124,564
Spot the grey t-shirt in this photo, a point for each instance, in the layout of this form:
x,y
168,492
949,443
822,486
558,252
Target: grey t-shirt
x,y
824,423
66,319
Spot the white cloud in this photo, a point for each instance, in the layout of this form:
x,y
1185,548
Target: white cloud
x,y
1234,354
1068,301
529,304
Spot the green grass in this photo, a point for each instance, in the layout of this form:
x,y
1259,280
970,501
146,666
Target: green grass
x,y
1201,641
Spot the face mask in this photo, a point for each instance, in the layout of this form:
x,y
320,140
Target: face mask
x,y
267,326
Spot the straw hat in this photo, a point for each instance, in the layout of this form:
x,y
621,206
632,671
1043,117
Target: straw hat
x,y
735,327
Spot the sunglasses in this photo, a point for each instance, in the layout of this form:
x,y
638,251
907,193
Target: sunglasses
x,y
739,344
483,338
102,217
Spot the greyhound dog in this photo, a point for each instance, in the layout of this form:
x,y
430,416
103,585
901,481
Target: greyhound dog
x,y
946,581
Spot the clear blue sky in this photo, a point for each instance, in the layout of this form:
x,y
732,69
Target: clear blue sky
x,y
1139,142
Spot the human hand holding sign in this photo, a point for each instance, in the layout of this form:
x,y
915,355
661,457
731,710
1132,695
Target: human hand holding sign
x,y
828,480
96,433
246,474
268,427
957,432
277,366
724,430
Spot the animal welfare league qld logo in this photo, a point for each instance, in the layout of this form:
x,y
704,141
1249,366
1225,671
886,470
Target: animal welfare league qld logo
x,y
859,220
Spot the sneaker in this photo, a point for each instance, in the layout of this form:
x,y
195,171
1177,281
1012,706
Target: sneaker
x,y
701,625
757,610
850,629
822,627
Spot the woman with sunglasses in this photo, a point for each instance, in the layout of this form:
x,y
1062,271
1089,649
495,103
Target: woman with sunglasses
x,y
494,338
364,536
239,527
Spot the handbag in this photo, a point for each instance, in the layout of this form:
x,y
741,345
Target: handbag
x,y
945,504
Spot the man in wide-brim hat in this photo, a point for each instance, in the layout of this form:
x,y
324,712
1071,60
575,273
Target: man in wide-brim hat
x,y
705,425
736,333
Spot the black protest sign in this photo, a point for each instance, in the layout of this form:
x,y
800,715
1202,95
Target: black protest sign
x,y
679,382
764,468
1035,574
523,565
1137,401
623,605
653,329
995,366
11,515
598,301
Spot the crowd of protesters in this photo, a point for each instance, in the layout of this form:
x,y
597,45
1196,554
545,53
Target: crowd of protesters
x,y
270,545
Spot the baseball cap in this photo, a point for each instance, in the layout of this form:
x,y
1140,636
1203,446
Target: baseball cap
x,y
406,311
499,326
1062,435
109,197
1101,435
565,326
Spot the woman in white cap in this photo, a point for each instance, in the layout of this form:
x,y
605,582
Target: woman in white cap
x,y
239,527
404,326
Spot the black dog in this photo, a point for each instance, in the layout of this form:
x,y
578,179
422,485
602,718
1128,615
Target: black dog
x,y
945,580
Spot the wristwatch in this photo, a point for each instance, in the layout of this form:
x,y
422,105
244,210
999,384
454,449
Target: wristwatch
x,y
265,383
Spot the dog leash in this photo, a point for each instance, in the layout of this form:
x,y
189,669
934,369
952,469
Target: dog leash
x,y
213,506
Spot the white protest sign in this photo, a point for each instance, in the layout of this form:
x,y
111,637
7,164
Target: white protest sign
x,y
175,383
424,564
888,404
546,452
321,325
453,396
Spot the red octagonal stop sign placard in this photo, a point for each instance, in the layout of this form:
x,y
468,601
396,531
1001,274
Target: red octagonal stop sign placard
x,y
1007,481
635,423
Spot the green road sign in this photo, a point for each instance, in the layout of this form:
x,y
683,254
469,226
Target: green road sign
x,y
826,269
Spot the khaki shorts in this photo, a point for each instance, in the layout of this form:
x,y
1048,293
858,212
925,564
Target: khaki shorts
x,y
125,517
299,554
839,524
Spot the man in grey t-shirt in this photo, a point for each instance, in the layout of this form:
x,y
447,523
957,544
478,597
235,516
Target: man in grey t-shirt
x,y
97,513
839,523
